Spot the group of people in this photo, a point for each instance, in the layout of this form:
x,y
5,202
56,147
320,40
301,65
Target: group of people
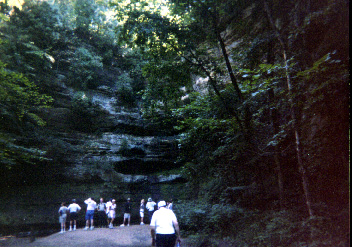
x,y
163,221
72,210
105,214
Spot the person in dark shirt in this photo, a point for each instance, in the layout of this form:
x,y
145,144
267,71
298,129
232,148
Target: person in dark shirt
x,y
102,217
127,213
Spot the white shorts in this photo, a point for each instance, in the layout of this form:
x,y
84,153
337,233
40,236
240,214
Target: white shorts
x,y
127,216
141,213
111,214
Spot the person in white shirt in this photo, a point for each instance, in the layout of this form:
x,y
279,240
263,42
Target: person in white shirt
x,y
150,207
73,208
91,205
112,213
163,227
108,204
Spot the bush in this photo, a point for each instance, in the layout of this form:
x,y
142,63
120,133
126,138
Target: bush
x,y
124,90
222,219
227,225
192,217
84,67
85,114
196,217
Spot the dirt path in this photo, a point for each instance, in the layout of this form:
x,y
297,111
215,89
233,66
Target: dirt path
x,y
135,235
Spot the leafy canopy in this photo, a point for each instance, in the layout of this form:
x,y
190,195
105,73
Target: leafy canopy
x,y
19,101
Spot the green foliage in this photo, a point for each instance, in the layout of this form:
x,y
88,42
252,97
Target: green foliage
x,y
12,154
217,219
159,39
4,9
144,25
18,95
84,114
39,41
286,228
39,21
225,141
84,67
164,84
222,219
324,96
192,215
19,98
85,11
227,224
124,90
30,34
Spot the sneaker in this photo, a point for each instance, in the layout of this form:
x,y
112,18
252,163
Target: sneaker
x,y
86,228
111,227
128,225
61,231
122,225
142,223
92,227
70,230
74,228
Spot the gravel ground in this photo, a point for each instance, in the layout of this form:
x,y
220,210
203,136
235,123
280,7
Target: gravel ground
x,y
135,235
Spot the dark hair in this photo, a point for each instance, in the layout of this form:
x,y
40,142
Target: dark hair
x,y
73,200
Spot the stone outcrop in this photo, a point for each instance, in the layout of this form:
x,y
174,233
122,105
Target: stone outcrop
x,y
123,145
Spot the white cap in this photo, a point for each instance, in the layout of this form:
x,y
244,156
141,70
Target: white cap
x,y
161,204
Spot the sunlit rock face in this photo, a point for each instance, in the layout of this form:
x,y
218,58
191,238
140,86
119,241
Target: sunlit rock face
x,y
129,154
123,145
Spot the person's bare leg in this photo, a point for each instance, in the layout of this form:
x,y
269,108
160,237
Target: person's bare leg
x,y
87,225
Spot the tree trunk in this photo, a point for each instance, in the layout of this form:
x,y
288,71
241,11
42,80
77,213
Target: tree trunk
x,y
278,169
234,82
228,64
275,124
216,90
300,163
